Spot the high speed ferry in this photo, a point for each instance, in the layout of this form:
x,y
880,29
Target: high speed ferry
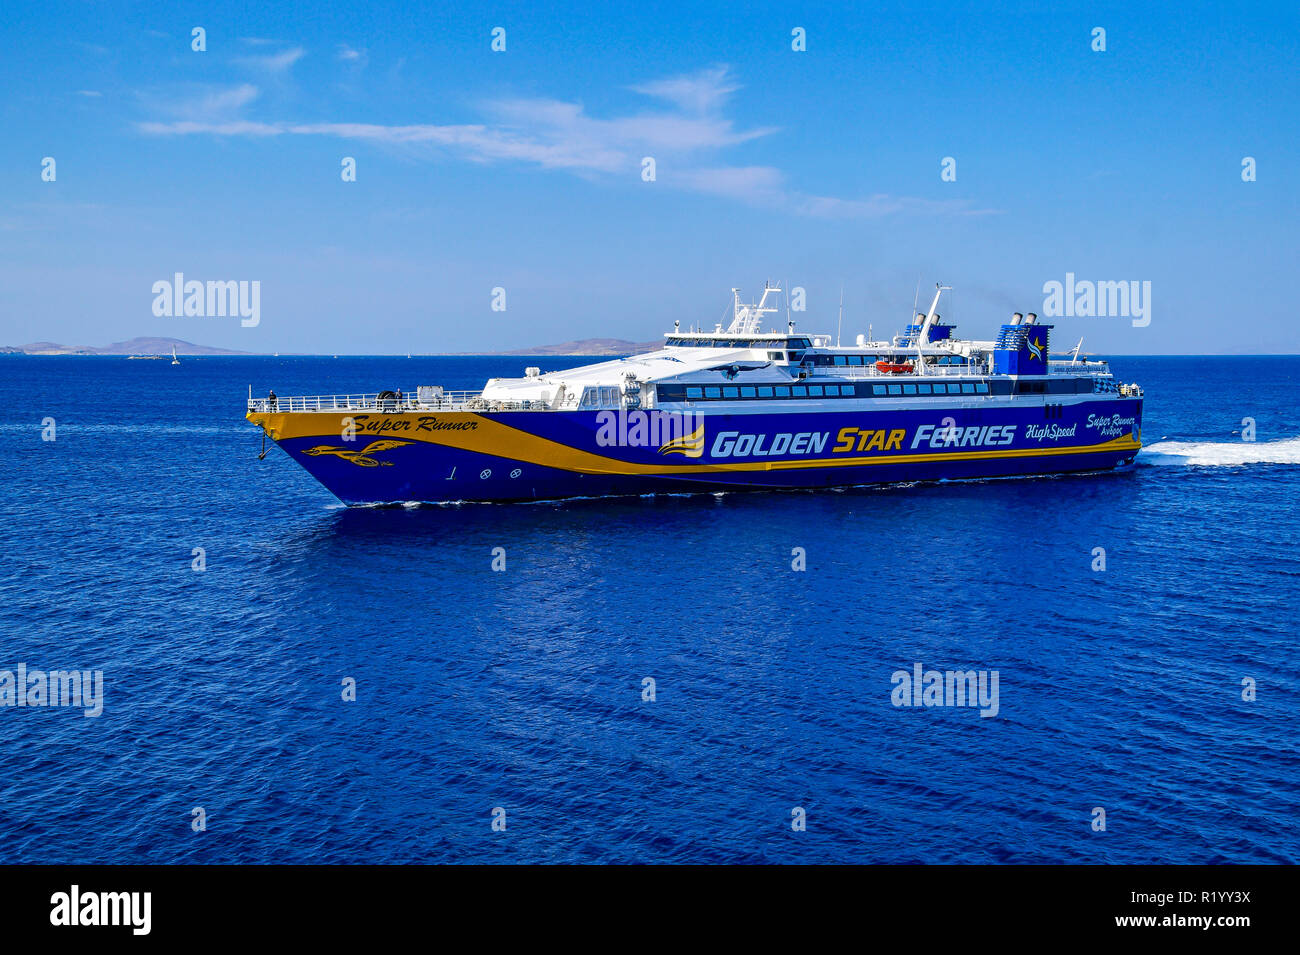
x,y
735,408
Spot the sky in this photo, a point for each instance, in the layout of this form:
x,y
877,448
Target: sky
x,y
523,169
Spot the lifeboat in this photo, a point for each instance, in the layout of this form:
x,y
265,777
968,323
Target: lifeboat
x,y
894,368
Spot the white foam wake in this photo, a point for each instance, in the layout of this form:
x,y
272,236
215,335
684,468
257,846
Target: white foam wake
x,y
1221,453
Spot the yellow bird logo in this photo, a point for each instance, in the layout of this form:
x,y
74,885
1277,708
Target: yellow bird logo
x,y
691,445
361,457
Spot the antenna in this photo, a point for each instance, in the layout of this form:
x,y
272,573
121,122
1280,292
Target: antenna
x,y
789,324
923,333
840,327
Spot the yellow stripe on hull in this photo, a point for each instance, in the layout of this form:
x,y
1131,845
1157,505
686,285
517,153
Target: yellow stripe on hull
x,y
486,436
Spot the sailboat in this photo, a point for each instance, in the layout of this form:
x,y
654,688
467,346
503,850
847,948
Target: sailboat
x,y
175,360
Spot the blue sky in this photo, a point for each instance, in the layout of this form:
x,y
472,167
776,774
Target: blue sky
x,y
522,169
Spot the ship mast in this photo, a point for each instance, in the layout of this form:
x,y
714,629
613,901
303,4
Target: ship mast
x,y
746,319
923,336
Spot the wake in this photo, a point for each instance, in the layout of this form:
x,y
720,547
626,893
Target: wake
x,y
1220,453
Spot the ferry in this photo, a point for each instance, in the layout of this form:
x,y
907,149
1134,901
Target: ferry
x,y
735,408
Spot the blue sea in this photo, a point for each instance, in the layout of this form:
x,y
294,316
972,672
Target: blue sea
x,y
521,691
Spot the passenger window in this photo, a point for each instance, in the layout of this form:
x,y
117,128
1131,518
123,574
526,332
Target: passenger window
x,y
800,391
909,389
747,392
712,391
877,389
783,391
765,391
968,389
923,389
730,392
895,389
694,392
982,387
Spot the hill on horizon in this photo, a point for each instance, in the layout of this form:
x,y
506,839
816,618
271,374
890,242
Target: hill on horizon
x,y
134,346
163,346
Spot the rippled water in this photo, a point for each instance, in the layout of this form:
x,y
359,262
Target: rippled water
x,y
1119,689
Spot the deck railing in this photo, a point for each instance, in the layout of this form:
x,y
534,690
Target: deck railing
x,y
436,399
871,371
390,403
1059,366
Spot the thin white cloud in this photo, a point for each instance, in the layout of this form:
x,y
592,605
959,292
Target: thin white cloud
x,y
274,62
766,187
91,93
352,55
701,92
228,100
200,103
555,134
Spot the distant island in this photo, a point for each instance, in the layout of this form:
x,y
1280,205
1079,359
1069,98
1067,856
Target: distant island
x,y
587,346
136,346
163,346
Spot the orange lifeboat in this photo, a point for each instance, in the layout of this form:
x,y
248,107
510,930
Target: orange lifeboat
x,y
891,368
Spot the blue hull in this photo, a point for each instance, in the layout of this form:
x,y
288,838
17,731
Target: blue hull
x,y
523,456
